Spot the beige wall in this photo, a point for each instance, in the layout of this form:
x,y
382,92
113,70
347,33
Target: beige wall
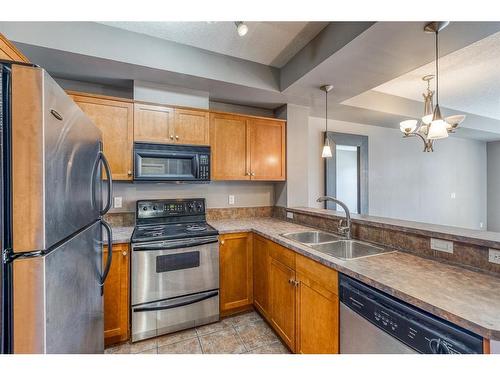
x,y
246,194
406,183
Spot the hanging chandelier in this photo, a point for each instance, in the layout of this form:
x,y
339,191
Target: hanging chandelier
x,y
431,126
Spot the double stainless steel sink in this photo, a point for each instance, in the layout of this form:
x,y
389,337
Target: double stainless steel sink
x,y
335,246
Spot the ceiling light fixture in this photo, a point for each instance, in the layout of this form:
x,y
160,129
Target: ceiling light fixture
x,y
432,125
241,27
327,150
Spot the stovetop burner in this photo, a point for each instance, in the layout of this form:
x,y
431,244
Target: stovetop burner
x,y
196,228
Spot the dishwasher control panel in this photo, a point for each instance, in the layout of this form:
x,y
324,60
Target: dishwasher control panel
x,y
417,329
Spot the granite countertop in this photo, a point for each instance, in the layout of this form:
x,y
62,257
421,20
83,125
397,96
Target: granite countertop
x,y
467,298
120,234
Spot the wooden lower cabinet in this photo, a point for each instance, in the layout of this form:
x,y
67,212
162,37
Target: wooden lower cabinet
x,y
261,265
235,273
297,296
116,296
317,318
282,295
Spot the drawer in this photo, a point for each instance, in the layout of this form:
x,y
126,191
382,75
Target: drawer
x,y
323,275
282,254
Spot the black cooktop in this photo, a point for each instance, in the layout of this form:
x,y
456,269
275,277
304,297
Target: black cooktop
x,y
157,232
170,219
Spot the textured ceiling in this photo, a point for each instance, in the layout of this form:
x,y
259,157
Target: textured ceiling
x,y
269,43
469,79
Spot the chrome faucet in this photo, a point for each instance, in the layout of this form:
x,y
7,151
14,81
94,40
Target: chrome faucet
x,y
342,229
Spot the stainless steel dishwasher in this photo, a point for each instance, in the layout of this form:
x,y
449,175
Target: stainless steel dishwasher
x,y
372,322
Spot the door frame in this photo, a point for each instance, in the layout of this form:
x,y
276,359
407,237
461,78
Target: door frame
x,y
361,142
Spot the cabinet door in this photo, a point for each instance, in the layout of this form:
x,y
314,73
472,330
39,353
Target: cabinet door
x,y
115,120
267,149
191,127
261,265
228,140
9,52
153,123
282,296
236,278
317,318
116,296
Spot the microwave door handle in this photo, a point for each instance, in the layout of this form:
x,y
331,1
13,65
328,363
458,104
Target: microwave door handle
x,y
110,254
110,183
197,166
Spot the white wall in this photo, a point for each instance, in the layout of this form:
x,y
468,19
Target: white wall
x,y
493,150
406,183
172,95
246,194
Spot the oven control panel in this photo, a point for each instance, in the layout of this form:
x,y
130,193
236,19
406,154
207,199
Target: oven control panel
x,y
170,207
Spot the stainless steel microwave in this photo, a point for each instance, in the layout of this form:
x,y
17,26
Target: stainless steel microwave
x,y
163,162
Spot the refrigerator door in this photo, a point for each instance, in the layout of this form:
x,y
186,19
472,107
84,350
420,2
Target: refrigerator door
x,y
56,160
58,307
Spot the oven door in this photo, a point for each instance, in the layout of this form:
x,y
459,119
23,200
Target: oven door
x,y
165,163
174,268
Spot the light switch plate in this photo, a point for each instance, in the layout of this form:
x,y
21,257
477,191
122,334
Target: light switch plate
x,y
494,256
442,245
117,202
289,215
231,199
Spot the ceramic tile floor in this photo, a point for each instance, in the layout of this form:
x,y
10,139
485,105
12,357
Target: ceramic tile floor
x,y
245,333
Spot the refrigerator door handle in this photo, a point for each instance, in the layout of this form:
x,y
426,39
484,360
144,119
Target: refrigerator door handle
x,y
110,183
110,253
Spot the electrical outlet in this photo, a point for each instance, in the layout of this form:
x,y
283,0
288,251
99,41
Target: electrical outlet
x,y
453,195
442,245
289,215
494,256
117,202
231,199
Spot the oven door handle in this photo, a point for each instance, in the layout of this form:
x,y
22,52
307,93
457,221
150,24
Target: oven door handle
x,y
166,305
176,244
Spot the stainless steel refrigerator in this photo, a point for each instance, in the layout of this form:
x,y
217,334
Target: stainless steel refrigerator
x,y
52,270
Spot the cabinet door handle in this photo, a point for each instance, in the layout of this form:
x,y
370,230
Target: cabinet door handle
x,y
297,283
177,137
171,136
252,174
290,281
222,242
129,173
124,253
247,174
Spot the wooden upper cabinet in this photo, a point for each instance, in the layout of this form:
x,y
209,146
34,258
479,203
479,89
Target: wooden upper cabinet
x,y
115,119
9,52
236,277
116,296
267,149
153,123
228,140
191,127
261,265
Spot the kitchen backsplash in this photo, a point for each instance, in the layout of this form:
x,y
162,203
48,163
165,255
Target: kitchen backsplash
x,y
464,254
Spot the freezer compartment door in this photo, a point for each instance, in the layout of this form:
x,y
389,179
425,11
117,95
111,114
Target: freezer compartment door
x,y
58,307
56,182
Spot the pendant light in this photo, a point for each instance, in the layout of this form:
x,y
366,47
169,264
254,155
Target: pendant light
x,y
437,127
327,150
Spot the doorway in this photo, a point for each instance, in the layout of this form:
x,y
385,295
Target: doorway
x,y
346,172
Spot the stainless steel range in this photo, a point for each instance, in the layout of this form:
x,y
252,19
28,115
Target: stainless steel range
x,y
175,268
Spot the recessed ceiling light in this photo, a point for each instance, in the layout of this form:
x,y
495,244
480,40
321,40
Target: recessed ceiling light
x,y
241,28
